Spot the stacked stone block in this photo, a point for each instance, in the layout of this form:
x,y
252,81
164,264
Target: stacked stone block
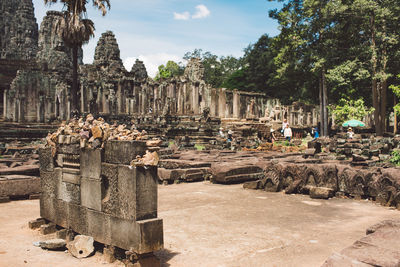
x,y
97,193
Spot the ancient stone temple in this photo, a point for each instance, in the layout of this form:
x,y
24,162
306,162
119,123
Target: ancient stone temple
x,y
40,92
37,90
18,40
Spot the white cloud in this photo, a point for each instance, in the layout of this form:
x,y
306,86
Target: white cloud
x,y
182,16
152,61
202,12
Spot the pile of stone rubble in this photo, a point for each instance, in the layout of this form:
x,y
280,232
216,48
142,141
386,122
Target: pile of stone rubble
x,y
92,133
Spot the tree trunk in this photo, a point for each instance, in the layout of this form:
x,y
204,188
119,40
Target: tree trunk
x,y
74,89
375,95
395,117
321,108
325,102
383,92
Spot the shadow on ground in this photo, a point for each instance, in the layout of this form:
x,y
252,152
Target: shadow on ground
x,y
165,255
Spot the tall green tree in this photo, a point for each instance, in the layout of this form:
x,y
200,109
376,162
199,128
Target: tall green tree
x,y
76,29
216,69
346,44
171,69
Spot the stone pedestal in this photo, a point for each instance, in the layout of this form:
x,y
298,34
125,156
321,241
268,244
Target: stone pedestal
x,y
104,197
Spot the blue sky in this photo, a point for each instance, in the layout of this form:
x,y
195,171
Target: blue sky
x,y
156,31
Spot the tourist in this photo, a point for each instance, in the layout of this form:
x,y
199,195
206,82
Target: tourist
x,y
287,133
284,124
315,133
221,132
350,133
230,133
272,137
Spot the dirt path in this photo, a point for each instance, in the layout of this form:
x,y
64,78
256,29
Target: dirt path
x,y
218,225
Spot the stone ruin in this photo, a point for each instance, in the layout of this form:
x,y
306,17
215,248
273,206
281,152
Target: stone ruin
x,y
98,193
39,76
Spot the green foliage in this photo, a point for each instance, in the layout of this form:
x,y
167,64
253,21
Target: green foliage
x,y
396,91
350,109
171,69
217,70
395,157
199,147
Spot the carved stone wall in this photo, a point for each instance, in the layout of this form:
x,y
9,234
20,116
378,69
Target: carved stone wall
x,y
97,193
18,30
40,93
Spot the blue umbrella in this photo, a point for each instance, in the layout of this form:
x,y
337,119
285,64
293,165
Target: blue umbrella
x,y
353,123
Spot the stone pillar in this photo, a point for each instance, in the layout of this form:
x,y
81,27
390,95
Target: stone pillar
x,y
214,103
236,104
314,117
21,111
195,100
179,99
119,98
5,104
308,118
221,103
82,99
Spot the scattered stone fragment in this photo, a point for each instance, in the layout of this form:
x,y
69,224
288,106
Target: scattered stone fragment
x,y
34,224
149,159
81,246
46,229
52,244
252,185
321,192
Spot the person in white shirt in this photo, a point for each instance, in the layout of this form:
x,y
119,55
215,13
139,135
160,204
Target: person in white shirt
x,y
287,133
221,132
350,133
284,124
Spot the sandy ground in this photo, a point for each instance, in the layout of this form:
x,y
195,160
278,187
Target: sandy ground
x,y
218,225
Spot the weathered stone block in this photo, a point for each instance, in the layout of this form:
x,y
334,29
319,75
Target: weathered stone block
x,y
69,149
61,216
69,192
321,192
110,194
151,234
99,226
48,207
125,233
49,183
127,192
34,224
123,152
71,176
46,160
77,218
19,185
146,192
46,229
90,162
252,185
91,193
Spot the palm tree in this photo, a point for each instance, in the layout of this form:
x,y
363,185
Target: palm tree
x,y
76,29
